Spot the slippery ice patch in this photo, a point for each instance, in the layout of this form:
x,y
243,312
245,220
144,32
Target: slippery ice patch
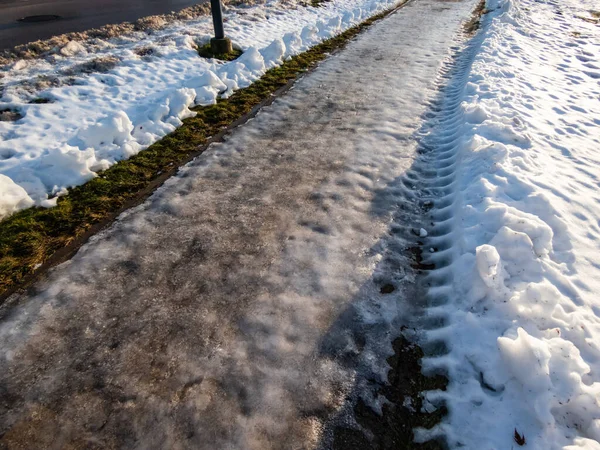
x,y
139,91
257,294
523,314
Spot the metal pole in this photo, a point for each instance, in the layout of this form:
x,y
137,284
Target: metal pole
x,y
219,45
217,16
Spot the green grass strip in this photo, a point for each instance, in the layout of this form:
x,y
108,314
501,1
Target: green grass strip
x,y
206,52
30,237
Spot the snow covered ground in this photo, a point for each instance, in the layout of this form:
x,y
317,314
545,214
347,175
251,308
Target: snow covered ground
x,y
139,91
516,226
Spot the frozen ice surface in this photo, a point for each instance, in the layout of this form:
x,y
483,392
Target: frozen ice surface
x,y
140,90
241,306
517,221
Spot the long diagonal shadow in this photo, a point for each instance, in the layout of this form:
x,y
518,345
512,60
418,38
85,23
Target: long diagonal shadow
x,y
377,336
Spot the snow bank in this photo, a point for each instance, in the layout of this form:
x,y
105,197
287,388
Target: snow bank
x,y
519,299
13,197
96,119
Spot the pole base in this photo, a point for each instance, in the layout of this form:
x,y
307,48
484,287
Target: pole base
x,y
220,46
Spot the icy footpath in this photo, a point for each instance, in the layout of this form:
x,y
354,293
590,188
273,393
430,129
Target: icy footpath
x,y
517,231
94,120
241,306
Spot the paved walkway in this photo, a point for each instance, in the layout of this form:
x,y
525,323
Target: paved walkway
x,y
248,300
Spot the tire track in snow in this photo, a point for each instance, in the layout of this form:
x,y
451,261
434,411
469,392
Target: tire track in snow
x,y
431,183
507,314
423,198
436,172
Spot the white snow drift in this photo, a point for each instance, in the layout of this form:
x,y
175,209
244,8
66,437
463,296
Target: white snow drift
x,y
94,120
522,317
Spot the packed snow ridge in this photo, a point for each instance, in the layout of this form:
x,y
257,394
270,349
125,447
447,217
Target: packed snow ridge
x,y
515,311
138,92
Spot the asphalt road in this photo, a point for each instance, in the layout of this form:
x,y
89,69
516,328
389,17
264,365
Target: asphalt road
x,y
75,15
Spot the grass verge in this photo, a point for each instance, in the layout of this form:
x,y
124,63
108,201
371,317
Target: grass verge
x,y
37,238
206,52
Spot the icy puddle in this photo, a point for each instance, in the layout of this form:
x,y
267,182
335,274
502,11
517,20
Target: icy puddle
x,y
245,303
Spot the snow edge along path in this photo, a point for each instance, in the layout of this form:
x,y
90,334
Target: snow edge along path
x,y
514,320
108,117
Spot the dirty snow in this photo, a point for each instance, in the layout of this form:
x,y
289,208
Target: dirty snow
x,y
108,104
515,293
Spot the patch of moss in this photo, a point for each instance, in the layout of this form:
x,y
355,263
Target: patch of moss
x,y
30,237
40,101
206,52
